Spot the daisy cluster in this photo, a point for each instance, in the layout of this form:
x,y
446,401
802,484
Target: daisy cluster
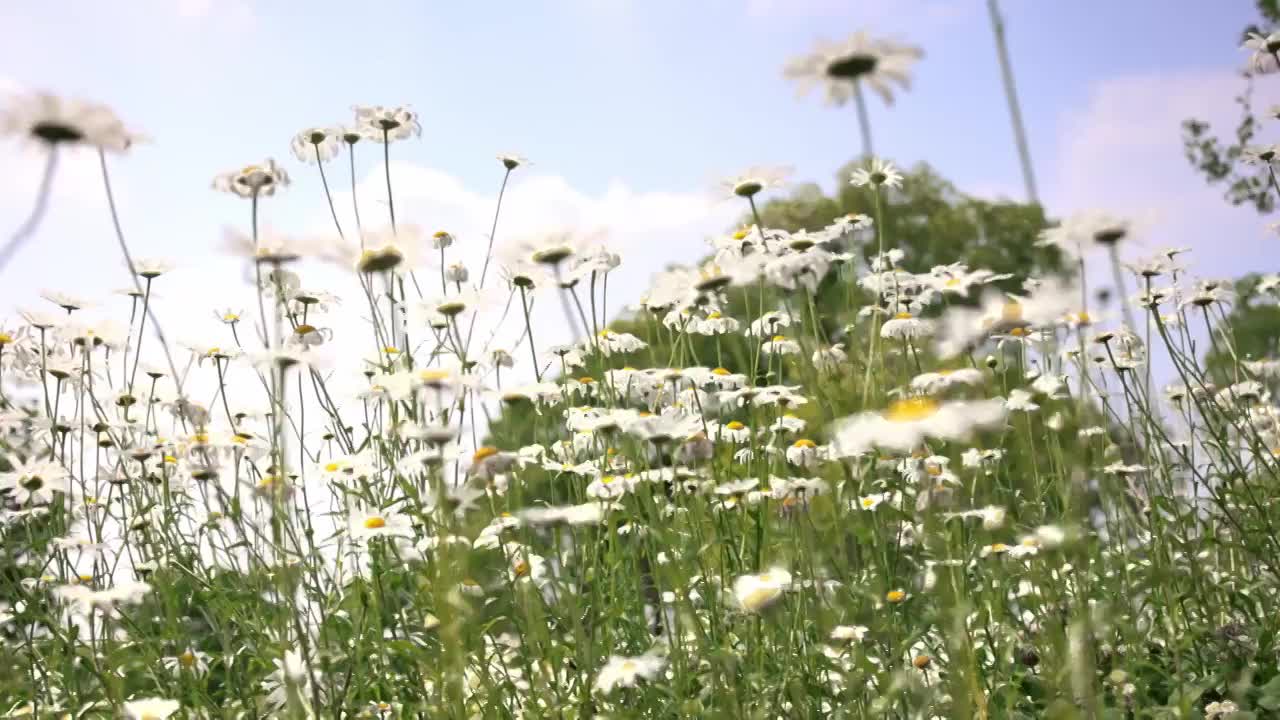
x,y
803,477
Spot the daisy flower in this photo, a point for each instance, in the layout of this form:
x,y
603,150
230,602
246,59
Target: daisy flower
x,y
1264,58
366,523
51,121
258,180
755,180
905,326
511,161
877,173
150,709
386,124
908,422
839,66
756,593
316,145
626,672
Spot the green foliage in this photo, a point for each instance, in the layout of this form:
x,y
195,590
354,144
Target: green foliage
x,y
1220,161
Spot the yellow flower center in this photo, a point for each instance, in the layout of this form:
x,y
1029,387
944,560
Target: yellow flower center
x,y
714,315
304,329
997,548
376,522
5,338
440,234
230,317
921,662
607,479
902,316
779,338
187,659
521,568
953,282
734,425
332,467
868,502
586,380
483,453
895,596
1018,332
804,443
740,234
911,410
1011,312
391,350
721,371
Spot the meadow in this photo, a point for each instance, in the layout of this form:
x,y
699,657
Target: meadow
x,y
838,470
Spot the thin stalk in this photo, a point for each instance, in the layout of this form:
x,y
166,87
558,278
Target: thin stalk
x,y
864,121
1015,109
327,196
24,231
133,274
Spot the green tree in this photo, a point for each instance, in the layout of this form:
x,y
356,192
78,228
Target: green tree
x,y
1220,160
928,218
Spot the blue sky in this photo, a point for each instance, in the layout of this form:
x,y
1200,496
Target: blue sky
x,y
629,109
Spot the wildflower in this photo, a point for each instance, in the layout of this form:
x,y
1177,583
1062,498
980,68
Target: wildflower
x,y
611,342
755,180
803,452
873,501
51,121
189,660
1085,229
591,513
150,709
905,423
1020,401
932,383
316,144
626,672
260,180
878,173
830,358
511,161
366,523
33,481
1264,47
1220,710
756,593
895,597
385,124
849,633
839,66
780,345
905,326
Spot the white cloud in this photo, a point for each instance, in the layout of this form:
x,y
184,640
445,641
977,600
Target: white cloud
x,y
1122,152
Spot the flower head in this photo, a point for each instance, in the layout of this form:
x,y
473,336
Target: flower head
x,y
385,124
259,180
50,120
841,66
316,144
